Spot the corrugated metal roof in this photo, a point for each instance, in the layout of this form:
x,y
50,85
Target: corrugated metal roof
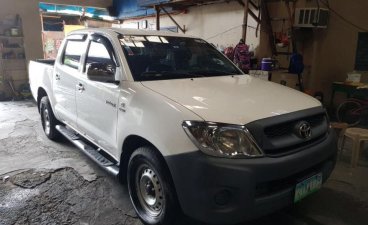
x,y
125,9
91,12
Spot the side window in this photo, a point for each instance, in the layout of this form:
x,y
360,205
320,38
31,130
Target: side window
x,y
98,52
73,53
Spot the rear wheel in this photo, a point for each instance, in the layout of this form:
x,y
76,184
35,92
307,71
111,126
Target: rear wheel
x,y
48,119
150,188
349,112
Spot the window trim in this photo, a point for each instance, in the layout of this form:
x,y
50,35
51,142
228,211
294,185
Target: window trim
x,y
109,48
69,38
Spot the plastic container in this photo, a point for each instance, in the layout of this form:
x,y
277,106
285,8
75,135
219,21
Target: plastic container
x,y
354,77
266,64
14,31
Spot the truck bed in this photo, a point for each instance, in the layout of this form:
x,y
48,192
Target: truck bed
x,y
40,75
46,61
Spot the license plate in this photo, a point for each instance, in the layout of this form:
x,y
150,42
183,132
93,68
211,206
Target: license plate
x,y
307,187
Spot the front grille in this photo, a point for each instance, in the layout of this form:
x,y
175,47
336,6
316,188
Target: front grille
x,y
316,120
279,130
294,148
283,138
277,136
288,127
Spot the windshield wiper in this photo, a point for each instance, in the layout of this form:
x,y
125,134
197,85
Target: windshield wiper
x,y
213,72
151,74
170,73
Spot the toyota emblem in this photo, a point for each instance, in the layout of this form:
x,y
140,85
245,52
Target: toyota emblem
x,y
303,130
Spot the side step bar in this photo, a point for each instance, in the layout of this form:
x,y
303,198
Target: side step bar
x,y
91,152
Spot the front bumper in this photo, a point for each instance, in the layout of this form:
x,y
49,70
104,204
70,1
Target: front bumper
x,y
228,191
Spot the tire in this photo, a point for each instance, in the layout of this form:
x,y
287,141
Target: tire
x,y
344,113
48,119
151,189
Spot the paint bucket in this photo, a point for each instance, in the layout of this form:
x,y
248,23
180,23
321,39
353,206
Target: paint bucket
x,y
14,31
267,64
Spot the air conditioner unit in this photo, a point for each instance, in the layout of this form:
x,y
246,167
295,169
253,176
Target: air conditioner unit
x,y
311,17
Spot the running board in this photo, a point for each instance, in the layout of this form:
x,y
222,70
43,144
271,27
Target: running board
x,y
91,152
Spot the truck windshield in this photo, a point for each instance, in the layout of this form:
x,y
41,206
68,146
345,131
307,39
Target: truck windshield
x,y
166,57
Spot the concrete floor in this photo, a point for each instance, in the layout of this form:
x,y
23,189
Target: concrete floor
x,y
43,182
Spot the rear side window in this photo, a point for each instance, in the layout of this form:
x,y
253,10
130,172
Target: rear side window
x,y
73,53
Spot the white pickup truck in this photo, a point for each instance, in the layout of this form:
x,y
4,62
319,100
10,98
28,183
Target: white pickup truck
x,y
187,130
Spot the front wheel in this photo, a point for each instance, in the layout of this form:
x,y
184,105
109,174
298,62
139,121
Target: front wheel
x,y
150,188
349,112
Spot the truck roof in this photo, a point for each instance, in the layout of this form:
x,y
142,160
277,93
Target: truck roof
x,y
130,32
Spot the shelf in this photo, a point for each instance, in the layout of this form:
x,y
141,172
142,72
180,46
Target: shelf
x,y
10,48
13,64
17,70
11,67
3,36
13,59
10,25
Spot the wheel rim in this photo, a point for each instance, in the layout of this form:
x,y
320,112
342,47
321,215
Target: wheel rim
x,y
149,190
46,121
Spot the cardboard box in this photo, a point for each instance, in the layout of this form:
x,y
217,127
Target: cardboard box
x,y
290,79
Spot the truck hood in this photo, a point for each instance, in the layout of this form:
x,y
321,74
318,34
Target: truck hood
x,y
233,99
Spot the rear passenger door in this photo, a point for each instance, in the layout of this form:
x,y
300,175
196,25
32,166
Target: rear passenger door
x,y
66,73
97,102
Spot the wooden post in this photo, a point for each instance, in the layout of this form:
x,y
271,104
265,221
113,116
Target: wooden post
x,y
245,20
291,23
172,19
42,37
266,21
157,8
41,17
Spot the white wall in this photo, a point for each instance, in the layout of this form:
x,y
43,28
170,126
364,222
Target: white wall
x,y
329,54
209,21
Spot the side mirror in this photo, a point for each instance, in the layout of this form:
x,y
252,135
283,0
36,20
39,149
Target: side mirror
x,y
101,72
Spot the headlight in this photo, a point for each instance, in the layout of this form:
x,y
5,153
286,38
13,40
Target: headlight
x,y
222,140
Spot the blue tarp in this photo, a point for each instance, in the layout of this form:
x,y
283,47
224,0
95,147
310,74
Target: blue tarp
x,y
134,8
123,9
74,10
151,2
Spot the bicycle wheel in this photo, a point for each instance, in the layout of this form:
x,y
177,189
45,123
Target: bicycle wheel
x,y
349,112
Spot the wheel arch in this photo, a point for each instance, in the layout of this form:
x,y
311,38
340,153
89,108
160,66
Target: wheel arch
x,y
40,94
130,144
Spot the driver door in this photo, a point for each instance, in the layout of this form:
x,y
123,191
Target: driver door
x,y
97,108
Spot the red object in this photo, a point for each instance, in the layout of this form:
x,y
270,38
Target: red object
x,y
242,57
229,52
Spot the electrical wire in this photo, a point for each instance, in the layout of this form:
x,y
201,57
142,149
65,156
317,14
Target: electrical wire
x,y
326,3
233,28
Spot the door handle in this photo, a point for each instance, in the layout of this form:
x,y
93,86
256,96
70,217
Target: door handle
x,y
57,77
80,87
